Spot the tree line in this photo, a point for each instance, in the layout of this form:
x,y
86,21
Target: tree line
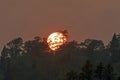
x,y
33,60
89,72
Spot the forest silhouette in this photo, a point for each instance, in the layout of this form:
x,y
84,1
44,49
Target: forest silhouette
x,y
33,60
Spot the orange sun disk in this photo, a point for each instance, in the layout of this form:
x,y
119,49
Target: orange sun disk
x,y
55,40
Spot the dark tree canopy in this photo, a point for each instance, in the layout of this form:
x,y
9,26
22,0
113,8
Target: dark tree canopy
x,y
33,60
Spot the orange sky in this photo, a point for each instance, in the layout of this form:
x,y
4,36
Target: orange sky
x,y
83,19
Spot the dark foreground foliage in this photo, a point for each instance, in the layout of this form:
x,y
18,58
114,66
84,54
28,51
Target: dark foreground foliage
x,y
33,60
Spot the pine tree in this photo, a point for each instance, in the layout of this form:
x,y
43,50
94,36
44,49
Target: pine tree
x,y
109,73
114,44
99,72
114,49
87,71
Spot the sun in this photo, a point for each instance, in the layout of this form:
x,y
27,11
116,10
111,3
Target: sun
x,y
55,40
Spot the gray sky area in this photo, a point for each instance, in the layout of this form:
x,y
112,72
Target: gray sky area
x,y
83,19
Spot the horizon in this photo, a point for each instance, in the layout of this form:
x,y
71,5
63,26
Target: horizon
x,y
83,19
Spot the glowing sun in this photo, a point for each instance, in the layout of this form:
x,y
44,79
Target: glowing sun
x,y
55,40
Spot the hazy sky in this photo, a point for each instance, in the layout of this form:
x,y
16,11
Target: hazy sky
x,y
83,19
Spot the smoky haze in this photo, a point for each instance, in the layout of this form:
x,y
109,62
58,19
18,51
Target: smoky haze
x,y
83,19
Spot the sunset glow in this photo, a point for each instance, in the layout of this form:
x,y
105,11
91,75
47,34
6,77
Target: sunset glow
x,y
55,40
